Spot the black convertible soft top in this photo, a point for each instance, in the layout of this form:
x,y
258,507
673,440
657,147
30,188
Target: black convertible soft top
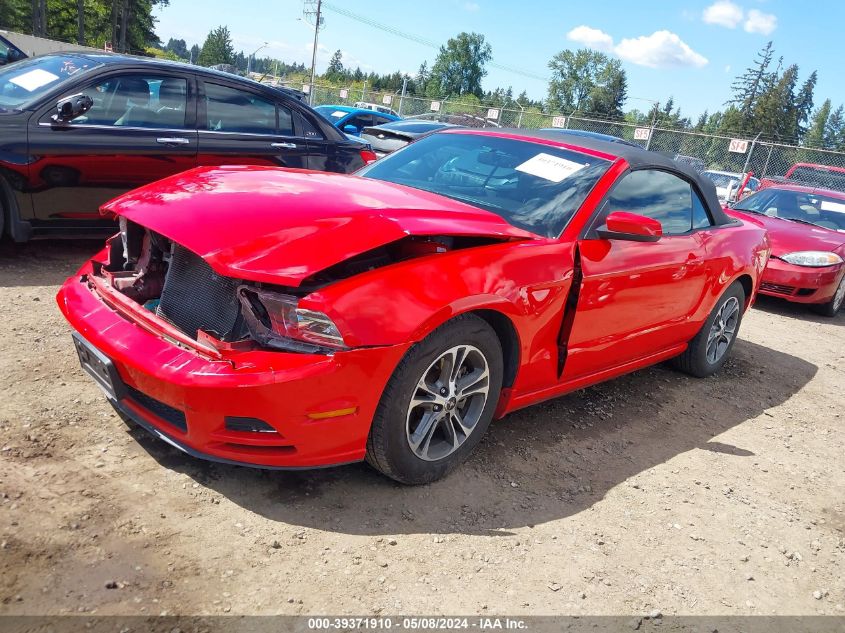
x,y
637,158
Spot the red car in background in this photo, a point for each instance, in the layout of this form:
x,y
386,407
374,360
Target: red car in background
x,y
806,226
289,319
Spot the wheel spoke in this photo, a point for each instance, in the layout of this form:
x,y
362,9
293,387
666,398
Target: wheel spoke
x,y
421,437
473,384
460,357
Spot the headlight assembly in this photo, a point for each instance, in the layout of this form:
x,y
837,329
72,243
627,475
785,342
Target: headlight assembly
x,y
276,320
815,259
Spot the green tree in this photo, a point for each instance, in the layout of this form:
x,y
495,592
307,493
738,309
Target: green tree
x,y
335,70
217,48
834,134
815,136
460,66
178,48
586,81
749,86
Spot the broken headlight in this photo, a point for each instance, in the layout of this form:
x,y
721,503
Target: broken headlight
x,y
276,320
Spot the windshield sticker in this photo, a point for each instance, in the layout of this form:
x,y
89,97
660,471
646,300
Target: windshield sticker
x,y
338,114
34,79
827,205
549,167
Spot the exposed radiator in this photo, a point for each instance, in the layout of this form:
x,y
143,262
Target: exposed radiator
x,y
196,298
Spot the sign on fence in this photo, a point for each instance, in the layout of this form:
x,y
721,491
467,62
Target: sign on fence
x,y
435,106
559,121
738,146
642,134
306,88
493,113
344,93
387,99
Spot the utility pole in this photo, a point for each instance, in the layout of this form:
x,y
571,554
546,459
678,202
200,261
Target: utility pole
x,y
313,8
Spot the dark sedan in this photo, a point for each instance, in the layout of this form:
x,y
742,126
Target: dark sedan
x,y
389,137
79,129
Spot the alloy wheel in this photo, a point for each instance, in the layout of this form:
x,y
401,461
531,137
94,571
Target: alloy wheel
x,y
448,402
723,330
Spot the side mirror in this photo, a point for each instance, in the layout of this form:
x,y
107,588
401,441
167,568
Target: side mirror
x,y
350,129
69,108
621,225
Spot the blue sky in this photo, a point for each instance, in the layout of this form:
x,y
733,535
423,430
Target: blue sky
x,y
691,50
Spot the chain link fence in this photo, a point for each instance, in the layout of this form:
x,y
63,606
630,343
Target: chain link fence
x,y
764,158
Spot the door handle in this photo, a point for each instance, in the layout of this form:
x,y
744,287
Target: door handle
x,y
173,140
283,145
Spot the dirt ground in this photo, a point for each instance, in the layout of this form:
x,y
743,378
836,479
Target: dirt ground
x,y
655,491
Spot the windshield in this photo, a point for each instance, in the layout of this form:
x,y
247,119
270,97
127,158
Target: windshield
x,y
26,81
821,210
532,186
331,113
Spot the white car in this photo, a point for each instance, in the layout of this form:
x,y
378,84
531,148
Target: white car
x,y
728,182
365,105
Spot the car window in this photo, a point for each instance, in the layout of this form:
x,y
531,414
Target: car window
x,y
825,211
531,186
285,120
27,81
359,121
700,216
307,128
655,194
137,100
382,119
231,110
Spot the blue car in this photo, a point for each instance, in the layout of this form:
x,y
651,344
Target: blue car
x,y
352,120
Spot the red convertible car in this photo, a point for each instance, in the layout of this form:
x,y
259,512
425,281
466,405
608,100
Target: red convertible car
x,y
806,226
290,319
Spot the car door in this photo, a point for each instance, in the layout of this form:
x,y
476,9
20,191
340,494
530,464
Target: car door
x,y
358,122
141,128
239,126
636,298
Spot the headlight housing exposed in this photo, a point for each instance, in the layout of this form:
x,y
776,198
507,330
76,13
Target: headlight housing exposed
x,y
815,259
276,320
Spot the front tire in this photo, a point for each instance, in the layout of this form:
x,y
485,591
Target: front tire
x,y
438,403
708,351
830,308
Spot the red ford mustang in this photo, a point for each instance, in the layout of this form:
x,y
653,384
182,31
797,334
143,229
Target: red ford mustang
x,y
806,226
295,319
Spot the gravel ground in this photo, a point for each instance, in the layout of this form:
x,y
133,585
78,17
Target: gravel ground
x,y
655,491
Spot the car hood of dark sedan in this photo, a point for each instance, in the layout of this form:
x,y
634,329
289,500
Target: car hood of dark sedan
x,y
281,226
788,237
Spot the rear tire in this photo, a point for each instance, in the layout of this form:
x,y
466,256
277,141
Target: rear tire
x,y
833,306
708,351
438,403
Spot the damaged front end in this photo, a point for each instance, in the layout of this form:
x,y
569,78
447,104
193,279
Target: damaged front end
x,y
166,288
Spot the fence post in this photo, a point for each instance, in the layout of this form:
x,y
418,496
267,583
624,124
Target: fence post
x,y
750,151
766,166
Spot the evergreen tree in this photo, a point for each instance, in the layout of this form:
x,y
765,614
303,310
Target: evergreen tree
x,y
217,48
815,136
460,65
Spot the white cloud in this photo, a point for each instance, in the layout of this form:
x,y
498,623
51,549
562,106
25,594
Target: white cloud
x,y
591,38
759,22
724,13
472,7
661,49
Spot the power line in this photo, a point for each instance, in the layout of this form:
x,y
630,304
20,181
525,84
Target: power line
x,y
420,40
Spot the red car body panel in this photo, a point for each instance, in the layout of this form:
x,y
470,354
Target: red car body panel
x,y
636,303
799,284
322,220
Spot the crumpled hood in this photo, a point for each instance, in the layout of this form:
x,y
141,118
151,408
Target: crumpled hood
x,y
281,226
789,237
